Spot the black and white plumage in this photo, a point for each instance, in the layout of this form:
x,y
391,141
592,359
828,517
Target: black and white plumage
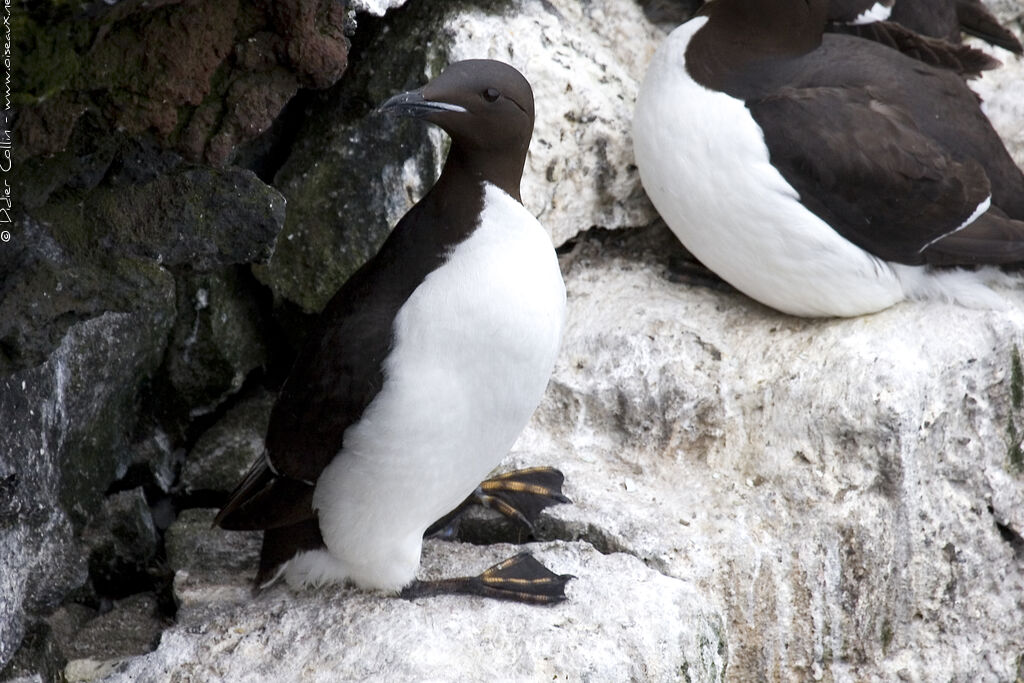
x,y
822,174
928,30
424,367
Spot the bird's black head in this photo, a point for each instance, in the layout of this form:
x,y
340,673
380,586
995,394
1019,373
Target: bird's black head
x,y
487,109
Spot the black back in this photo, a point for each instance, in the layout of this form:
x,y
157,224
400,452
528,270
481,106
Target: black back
x,y
940,20
892,153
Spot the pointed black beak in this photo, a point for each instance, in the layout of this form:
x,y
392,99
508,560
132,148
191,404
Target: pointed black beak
x,y
413,104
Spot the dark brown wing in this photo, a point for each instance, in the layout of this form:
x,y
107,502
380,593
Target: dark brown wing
x,y
866,169
339,370
994,238
336,374
963,59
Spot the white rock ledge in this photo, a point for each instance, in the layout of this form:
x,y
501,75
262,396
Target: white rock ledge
x,y
844,488
585,61
783,499
603,632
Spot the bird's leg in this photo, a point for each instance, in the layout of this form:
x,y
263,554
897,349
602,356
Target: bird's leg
x,y
518,579
520,495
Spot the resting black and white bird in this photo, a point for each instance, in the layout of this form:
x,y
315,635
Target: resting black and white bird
x,y
823,174
422,370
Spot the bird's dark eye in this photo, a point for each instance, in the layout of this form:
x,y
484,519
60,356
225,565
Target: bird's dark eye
x,y
491,94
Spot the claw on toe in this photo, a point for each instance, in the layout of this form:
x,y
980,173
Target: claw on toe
x,y
518,579
522,494
523,578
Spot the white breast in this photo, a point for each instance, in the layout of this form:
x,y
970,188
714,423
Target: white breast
x,y
473,349
706,168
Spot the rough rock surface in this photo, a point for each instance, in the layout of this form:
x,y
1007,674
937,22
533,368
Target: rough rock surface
x,y
226,451
585,62
845,496
1002,94
212,76
121,540
341,188
217,339
774,498
93,643
223,633
851,490
62,421
88,306
198,217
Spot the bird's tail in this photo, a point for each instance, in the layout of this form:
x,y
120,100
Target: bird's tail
x,y
972,288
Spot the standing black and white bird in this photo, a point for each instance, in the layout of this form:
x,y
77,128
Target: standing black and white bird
x,y
823,174
423,368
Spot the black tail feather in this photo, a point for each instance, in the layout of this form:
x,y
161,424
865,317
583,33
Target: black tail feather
x,y
280,544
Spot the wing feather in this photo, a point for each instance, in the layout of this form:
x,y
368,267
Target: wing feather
x,y
866,169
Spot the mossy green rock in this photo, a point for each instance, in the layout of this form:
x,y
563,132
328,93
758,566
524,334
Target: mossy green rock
x,y
353,172
196,217
340,186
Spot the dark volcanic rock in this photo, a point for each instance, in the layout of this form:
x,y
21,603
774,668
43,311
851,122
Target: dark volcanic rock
x,y
132,626
217,339
121,540
91,248
352,172
38,661
87,311
45,292
66,423
155,458
224,453
199,217
204,77
125,284
195,545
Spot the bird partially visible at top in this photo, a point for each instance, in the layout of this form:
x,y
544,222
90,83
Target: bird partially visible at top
x,y
422,371
942,19
928,30
822,174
